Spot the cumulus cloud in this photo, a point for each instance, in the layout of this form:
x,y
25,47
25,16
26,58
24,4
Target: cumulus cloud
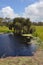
x,y
34,11
8,12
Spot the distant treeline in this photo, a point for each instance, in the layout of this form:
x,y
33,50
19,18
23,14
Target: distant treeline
x,y
7,21
37,23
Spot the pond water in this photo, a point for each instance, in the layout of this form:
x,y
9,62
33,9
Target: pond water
x,y
11,45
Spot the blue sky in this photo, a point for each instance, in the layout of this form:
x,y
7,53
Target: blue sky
x,y
17,5
32,9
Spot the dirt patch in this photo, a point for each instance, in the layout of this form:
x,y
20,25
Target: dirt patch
x,y
37,59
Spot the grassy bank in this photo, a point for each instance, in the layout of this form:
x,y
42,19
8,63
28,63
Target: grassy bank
x,y
4,29
39,32
37,59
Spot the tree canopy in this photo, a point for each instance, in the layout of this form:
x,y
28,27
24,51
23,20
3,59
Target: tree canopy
x,y
21,26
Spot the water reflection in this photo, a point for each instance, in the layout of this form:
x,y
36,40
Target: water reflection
x,y
13,46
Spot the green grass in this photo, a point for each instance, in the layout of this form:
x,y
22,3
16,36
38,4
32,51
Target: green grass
x,y
4,29
39,32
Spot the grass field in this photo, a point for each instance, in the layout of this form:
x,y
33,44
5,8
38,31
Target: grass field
x,y
39,32
4,29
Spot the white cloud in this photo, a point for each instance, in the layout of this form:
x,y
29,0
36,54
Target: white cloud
x,y
8,12
34,11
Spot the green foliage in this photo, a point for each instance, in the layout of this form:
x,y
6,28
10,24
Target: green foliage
x,y
39,32
21,25
10,26
4,29
35,34
37,23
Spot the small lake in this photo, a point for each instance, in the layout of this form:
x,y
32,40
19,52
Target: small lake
x,y
11,45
